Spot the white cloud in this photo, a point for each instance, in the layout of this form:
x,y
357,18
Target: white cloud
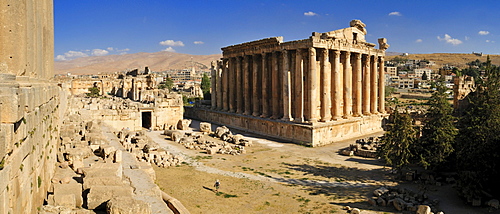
x,y
310,13
110,49
447,38
169,49
198,42
467,38
99,52
418,40
171,43
483,32
71,55
395,13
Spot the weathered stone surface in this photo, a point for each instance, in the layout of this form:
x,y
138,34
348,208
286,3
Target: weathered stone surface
x,y
423,209
183,124
355,211
205,127
99,195
493,203
74,189
127,205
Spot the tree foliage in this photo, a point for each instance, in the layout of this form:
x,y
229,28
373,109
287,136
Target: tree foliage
x,y
167,84
438,133
205,87
478,142
397,143
94,91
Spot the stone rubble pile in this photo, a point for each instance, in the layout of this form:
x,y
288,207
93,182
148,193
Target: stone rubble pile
x,y
366,147
89,166
228,143
146,150
403,199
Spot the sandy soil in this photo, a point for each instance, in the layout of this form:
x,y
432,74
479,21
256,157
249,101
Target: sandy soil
x,y
278,177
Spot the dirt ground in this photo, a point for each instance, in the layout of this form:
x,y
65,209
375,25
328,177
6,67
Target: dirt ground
x,y
282,178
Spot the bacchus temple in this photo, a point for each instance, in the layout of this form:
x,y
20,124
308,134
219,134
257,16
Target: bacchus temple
x,y
316,91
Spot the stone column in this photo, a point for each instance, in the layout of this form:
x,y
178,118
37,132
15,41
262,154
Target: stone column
x,y
357,85
255,86
231,84
286,89
366,85
246,82
326,88
298,88
239,86
213,81
220,70
346,60
381,86
374,86
265,98
274,85
337,84
313,87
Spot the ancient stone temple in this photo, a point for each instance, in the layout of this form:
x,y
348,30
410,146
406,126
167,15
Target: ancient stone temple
x,y
314,91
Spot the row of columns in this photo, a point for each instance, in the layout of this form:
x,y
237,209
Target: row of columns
x,y
302,85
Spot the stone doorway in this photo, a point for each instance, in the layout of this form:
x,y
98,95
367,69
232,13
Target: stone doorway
x,y
146,119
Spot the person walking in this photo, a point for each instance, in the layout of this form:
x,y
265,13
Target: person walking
x,y
217,185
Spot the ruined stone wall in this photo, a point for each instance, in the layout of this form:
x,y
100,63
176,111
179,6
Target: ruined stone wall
x,y
30,105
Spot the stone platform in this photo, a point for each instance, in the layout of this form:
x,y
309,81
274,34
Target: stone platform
x,y
316,134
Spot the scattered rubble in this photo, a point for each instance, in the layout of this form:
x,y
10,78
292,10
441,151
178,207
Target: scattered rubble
x,y
403,199
366,147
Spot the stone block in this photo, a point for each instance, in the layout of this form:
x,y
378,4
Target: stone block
x,y
73,189
89,182
118,156
100,195
423,209
127,205
65,200
493,203
103,170
205,127
176,136
183,124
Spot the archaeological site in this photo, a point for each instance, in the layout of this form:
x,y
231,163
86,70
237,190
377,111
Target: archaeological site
x,y
282,127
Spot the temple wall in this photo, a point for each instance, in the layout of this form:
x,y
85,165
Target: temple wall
x,y
30,104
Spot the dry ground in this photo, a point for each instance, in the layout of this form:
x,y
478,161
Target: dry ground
x,y
284,178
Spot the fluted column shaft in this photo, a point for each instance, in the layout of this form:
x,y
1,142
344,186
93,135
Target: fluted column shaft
x,y
381,86
220,70
246,82
274,86
337,86
326,86
213,81
313,87
239,86
346,60
265,79
286,89
231,84
299,87
374,86
366,85
255,86
357,85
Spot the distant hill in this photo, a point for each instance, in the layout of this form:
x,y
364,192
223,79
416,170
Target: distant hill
x,y
158,61
453,59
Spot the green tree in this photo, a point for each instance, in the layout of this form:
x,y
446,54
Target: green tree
x,y
94,91
167,84
205,87
478,141
396,146
438,133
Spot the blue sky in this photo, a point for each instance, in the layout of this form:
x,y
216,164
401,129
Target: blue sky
x,y
104,27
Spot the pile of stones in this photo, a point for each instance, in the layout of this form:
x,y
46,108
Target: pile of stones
x,y
366,147
403,199
204,140
146,150
88,165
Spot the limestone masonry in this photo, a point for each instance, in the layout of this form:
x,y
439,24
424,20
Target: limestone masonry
x,y
314,91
